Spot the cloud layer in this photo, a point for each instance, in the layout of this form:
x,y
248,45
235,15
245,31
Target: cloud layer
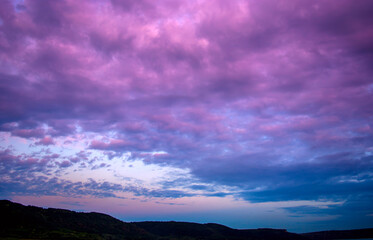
x,y
272,100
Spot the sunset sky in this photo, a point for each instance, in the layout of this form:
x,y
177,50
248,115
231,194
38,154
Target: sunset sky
x,y
244,113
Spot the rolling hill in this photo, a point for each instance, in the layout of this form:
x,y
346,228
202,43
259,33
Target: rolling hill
x,y
28,222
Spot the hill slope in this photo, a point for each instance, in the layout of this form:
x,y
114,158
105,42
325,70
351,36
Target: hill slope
x,y
185,230
343,234
27,222
19,221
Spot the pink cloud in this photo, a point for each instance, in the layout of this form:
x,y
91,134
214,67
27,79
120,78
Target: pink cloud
x,y
29,133
45,141
228,89
65,164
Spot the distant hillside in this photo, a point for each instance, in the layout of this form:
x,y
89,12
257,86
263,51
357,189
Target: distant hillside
x,y
184,230
28,222
343,234
19,221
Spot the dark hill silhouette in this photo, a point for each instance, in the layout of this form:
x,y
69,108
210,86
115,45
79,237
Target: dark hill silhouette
x,y
342,234
179,230
38,223
27,222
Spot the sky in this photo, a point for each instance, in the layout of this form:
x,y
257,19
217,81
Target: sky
x,y
245,113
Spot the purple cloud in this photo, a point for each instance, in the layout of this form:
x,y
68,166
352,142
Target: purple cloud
x,y
269,98
45,141
27,133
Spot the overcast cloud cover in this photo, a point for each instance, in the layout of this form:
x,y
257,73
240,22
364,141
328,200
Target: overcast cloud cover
x,y
259,112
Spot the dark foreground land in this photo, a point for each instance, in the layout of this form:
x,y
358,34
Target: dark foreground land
x,y
28,222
